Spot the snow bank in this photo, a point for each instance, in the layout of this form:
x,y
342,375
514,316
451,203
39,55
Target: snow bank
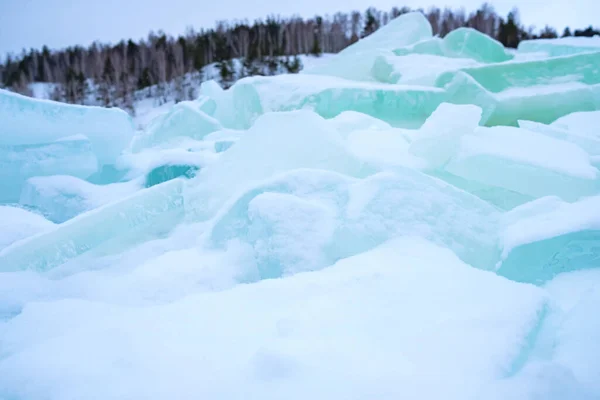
x,y
306,336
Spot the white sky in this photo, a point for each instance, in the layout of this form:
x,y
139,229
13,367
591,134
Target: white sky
x,y
60,23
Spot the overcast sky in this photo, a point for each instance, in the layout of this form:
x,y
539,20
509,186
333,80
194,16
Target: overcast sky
x,y
60,23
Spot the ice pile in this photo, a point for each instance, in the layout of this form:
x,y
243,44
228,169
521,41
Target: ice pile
x,y
417,218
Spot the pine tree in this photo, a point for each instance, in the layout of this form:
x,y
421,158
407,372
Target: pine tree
x,y
371,23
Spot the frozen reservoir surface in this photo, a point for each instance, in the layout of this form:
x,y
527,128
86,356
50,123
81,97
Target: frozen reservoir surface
x,y
413,218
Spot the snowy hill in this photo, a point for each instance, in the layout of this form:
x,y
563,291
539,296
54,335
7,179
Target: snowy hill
x,y
148,104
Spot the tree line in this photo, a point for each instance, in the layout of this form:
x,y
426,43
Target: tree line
x,y
113,75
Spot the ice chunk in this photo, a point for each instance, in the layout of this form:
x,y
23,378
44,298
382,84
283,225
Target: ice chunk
x,y
398,105
195,154
356,66
402,31
470,43
548,237
186,118
432,46
538,90
502,157
347,216
72,156
581,136
167,172
276,142
560,47
308,336
384,148
534,73
18,224
460,43
148,211
542,104
356,61
62,197
416,69
350,121
584,124
438,139
27,121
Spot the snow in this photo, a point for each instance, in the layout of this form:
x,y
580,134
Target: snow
x,y
18,223
285,337
415,217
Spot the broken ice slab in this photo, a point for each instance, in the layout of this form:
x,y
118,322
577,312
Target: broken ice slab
x,y
585,124
503,157
277,142
398,105
416,69
470,43
580,138
356,61
560,47
187,118
62,197
69,156
345,216
465,43
543,103
440,136
546,237
167,172
18,223
496,78
28,121
402,31
152,210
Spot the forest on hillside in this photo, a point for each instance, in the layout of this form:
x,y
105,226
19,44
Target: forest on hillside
x,y
112,75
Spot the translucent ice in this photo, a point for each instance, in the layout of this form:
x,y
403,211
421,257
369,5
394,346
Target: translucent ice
x,y
560,47
542,103
460,43
503,157
147,211
277,142
27,121
306,219
547,237
470,43
402,31
356,61
520,74
416,69
187,118
18,223
438,140
167,172
582,136
73,156
62,197
585,124
400,105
